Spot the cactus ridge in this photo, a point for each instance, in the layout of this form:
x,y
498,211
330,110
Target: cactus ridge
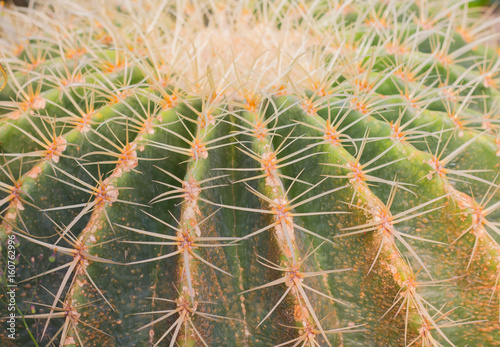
x,y
251,173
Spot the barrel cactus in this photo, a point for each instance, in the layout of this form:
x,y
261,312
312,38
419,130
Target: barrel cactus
x,y
249,173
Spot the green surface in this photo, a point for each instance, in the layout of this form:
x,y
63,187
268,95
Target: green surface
x,y
253,174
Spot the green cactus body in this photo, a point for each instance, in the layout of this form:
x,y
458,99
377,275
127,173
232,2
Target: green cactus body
x,y
250,173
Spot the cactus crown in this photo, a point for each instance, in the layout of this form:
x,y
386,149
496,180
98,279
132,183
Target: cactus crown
x,y
250,173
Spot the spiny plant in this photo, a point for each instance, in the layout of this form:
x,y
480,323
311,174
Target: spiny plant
x,y
250,173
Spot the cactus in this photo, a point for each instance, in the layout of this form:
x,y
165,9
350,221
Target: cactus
x,y
249,173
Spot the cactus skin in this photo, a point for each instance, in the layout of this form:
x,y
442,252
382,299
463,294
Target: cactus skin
x,y
251,173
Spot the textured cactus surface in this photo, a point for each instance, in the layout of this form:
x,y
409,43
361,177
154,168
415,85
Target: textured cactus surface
x,y
250,173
